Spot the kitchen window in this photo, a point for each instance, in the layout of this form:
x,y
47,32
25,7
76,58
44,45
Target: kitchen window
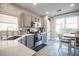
x,y
66,24
71,22
8,21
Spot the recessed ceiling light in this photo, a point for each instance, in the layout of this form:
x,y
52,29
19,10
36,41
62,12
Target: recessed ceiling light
x,y
71,5
35,4
47,13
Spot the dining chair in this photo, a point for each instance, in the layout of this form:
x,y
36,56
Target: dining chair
x,y
63,40
75,45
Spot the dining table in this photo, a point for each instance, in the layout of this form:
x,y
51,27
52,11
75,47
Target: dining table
x,y
69,35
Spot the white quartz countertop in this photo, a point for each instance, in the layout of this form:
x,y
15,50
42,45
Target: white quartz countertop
x,y
14,48
17,50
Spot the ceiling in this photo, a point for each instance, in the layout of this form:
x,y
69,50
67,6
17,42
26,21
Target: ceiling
x,y
42,8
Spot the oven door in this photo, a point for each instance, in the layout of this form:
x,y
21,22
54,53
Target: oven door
x,y
38,40
38,43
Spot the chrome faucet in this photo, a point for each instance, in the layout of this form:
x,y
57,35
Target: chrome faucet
x,y
8,30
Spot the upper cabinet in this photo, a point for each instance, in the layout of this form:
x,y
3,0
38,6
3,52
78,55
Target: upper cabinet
x,y
25,20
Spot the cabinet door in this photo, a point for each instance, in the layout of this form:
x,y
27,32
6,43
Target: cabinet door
x,y
44,38
27,20
30,41
20,40
23,41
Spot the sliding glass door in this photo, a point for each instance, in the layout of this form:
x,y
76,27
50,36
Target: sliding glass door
x,y
59,24
71,22
66,24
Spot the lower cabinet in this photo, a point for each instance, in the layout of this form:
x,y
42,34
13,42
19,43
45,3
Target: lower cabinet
x,y
28,41
23,41
44,37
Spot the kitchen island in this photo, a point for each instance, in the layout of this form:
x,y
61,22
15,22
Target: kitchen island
x,y
15,48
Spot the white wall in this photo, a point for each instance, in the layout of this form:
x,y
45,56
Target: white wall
x,y
48,29
46,25
52,29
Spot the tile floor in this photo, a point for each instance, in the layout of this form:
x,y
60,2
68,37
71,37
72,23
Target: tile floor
x,y
52,50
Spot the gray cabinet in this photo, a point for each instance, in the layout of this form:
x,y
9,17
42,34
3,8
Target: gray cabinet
x,y
23,41
30,41
44,37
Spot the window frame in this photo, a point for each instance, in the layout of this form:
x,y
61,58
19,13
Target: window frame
x,y
6,22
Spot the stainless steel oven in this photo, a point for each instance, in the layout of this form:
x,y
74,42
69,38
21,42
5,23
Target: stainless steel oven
x,y
38,39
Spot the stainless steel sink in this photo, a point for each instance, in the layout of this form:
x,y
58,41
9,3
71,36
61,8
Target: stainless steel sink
x,y
13,38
